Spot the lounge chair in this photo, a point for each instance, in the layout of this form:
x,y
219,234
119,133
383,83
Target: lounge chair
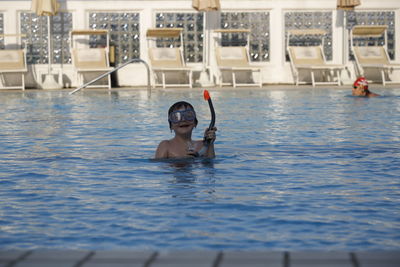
x,y
372,57
91,62
311,59
167,63
12,63
233,61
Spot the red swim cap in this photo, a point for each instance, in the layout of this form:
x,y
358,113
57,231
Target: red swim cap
x,y
360,81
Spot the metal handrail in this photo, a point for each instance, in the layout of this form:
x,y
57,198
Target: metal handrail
x,y
117,68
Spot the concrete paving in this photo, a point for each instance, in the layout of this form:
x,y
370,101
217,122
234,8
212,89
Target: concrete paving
x,y
78,258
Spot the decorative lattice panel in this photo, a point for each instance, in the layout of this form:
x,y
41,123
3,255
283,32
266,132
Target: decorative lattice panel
x,y
35,29
310,20
373,18
257,23
1,30
124,31
193,33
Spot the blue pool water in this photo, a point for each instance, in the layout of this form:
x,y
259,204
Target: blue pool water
x,y
300,169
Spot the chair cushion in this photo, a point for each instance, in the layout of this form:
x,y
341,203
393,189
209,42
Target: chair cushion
x,y
232,56
306,55
165,57
90,58
12,60
371,55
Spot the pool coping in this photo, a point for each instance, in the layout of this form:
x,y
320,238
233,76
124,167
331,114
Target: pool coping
x,y
193,258
289,87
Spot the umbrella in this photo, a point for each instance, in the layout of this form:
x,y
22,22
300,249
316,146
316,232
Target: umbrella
x,y
347,4
206,6
47,8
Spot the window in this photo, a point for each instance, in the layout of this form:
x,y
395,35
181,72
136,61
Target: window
x,y
192,24
257,23
1,30
35,29
310,20
373,18
124,33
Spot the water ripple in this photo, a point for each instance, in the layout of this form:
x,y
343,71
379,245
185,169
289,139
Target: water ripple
x,y
295,170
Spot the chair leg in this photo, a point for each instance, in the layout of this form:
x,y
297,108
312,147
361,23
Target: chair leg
x,y
163,79
23,81
80,79
312,79
154,80
190,79
2,81
324,76
383,77
338,77
234,79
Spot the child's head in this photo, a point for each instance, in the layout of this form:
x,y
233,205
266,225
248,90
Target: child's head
x,y
360,87
181,111
361,81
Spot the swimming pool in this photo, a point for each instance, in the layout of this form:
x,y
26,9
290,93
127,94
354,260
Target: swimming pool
x,y
299,169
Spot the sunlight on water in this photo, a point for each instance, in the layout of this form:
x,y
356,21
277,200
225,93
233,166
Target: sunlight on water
x,y
306,169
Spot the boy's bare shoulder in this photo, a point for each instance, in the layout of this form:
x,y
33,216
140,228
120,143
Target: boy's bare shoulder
x,y
163,149
164,143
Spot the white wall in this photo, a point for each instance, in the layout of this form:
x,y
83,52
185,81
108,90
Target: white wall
x,y
274,71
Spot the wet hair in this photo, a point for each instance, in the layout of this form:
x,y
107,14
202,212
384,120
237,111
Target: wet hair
x,y
178,105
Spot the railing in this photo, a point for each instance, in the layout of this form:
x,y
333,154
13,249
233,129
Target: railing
x,y
117,68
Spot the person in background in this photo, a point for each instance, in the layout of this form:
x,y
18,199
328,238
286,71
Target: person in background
x,y
182,120
360,88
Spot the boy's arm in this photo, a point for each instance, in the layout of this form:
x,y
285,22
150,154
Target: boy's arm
x,y
162,150
210,136
210,151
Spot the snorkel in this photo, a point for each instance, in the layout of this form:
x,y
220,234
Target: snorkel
x,y
207,142
207,97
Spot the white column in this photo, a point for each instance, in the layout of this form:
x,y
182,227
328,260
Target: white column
x,y
277,47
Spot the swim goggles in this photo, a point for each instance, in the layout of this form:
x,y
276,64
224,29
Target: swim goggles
x,y
182,115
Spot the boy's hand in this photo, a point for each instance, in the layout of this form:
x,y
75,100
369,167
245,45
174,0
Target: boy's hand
x,y
209,134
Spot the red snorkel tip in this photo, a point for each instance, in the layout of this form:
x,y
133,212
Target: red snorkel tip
x,y
206,95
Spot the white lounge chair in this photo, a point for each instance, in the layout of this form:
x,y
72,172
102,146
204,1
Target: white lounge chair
x,y
91,62
311,59
12,63
372,57
167,63
233,61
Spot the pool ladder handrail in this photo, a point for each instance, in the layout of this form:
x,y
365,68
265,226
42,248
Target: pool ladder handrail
x,y
115,69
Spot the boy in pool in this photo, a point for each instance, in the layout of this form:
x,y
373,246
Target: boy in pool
x,y
360,88
182,120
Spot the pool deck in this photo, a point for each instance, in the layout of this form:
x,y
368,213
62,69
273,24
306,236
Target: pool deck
x,y
78,258
265,87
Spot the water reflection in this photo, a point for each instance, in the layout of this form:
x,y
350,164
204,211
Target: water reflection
x,y
187,169
282,158
190,179
277,115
